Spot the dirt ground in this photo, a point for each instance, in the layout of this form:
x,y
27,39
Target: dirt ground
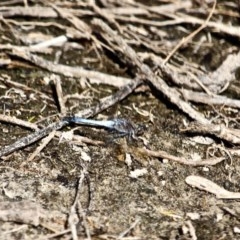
x,y
79,182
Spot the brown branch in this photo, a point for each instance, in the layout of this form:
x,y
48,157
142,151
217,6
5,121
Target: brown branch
x,y
57,83
190,36
17,121
172,94
220,131
211,187
77,72
31,138
200,97
182,160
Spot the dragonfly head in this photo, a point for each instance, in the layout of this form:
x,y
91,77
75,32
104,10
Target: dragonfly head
x,y
137,131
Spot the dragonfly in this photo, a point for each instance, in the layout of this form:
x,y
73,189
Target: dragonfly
x,y
120,125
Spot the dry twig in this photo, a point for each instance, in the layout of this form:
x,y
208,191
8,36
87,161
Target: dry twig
x,y
17,121
44,143
76,72
72,219
220,131
209,186
172,94
190,36
182,160
58,87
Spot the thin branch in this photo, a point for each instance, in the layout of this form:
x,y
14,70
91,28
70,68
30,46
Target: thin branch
x,y
190,36
31,138
173,95
58,86
77,72
182,160
44,143
17,121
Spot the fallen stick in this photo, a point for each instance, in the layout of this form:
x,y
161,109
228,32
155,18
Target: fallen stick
x,y
172,94
211,187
